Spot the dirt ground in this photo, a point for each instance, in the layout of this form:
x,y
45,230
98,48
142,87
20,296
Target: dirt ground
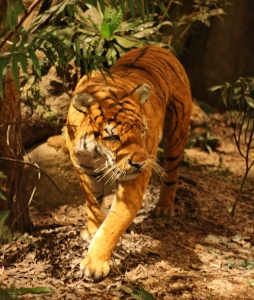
x,y
201,253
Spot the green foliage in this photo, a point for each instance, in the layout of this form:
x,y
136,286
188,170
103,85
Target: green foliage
x,y
14,9
95,37
60,34
137,293
204,140
238,97
34,96
2,176
185,24
5,232
108,35
12,293
205,9
251,283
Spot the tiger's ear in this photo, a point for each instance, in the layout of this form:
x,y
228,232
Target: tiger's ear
x,y
82,102
143,92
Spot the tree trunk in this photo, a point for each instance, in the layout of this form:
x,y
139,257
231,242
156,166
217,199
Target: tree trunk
x,y
11,148
223,52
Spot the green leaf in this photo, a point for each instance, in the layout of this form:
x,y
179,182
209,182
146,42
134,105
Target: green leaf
x,y
77,49
2,196
126,42
126,289
35,62
2,176
3,64
102,5
3,216
14,9
140,8
162,7
224,96
51,55
141,294
35,290
122,3
238,237
131,7
215,88
105,31
116,19
114,3
23,63
111,56
85,64
15,70
4,295
250,101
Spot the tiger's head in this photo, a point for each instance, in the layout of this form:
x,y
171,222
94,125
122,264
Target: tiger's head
x,y
115,131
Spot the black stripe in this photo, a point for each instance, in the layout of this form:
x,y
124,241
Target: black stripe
x,y
182,105
114,95
173,111
170,183
99,199
175,72
172,158
149,77
114,104
173,169
142,53
94,175
125,95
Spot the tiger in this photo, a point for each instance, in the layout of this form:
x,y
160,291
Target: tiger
x,y
115,123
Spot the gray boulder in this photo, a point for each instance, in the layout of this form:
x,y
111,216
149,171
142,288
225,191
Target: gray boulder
x,y
55,161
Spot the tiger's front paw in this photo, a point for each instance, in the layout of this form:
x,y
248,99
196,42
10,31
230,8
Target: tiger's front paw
x,y
87,235
94,268
163,212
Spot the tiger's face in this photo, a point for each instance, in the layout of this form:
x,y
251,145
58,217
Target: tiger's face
x,y
114,133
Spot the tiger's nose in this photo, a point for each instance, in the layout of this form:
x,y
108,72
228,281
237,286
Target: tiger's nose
x,y
137,164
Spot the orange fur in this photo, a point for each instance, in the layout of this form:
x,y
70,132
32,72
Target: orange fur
x,y
114,128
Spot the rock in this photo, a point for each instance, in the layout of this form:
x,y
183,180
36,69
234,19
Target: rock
x,y
57,164
198,118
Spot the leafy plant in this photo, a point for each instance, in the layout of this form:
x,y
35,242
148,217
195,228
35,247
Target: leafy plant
x,y
185,24
5,232
204,140
137,293
107,34
61,34
2,196
238,97
251,283
94,37
34,96
12,293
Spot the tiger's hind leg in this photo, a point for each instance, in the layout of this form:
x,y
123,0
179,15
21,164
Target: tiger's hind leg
x,y
176,130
